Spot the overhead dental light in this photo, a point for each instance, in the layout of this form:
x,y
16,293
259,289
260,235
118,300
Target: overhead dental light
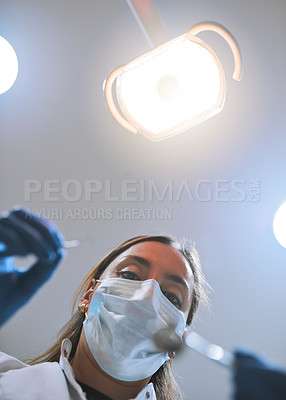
x,y
8,65
172,88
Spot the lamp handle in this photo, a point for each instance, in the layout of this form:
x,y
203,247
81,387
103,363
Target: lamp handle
x,y
222,31
107,88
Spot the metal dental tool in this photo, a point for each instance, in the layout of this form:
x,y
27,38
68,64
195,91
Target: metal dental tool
x,y
68,244
167,340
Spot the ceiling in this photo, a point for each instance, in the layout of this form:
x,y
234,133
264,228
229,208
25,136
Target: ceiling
x,y
227,175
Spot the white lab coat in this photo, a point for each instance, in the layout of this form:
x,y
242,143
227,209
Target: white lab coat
x,y
48,380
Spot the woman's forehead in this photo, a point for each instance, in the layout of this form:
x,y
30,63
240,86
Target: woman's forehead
x,y
159,255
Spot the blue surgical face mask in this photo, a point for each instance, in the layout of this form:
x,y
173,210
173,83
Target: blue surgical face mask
x,y
122,319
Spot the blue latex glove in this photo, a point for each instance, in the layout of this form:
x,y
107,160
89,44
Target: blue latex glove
x,y
255,379
23,233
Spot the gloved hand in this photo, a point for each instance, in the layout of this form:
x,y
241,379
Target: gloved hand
x,y
255,379
23,233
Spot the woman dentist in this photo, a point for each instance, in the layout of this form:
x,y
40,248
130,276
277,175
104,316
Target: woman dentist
x,y
106,350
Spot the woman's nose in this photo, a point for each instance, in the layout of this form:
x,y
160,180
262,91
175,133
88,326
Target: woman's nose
x,y
153,287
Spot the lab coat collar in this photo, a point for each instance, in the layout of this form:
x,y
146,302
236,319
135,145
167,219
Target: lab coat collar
x,y
74,387
148,393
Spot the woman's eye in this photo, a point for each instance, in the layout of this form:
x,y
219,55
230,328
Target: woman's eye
x,y
128,275
173,299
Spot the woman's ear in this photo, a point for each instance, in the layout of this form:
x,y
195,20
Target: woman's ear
x,y
85,301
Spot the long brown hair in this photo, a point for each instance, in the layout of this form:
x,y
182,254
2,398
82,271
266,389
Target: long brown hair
x,y
163,380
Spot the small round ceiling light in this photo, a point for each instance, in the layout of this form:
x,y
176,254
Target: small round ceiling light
x,y
8,65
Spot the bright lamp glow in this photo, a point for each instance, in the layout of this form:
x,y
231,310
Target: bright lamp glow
x,y
180,83
279,225
171,88
8,65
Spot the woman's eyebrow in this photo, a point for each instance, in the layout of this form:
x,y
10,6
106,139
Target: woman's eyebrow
x,y
147,264
177,279
140,260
